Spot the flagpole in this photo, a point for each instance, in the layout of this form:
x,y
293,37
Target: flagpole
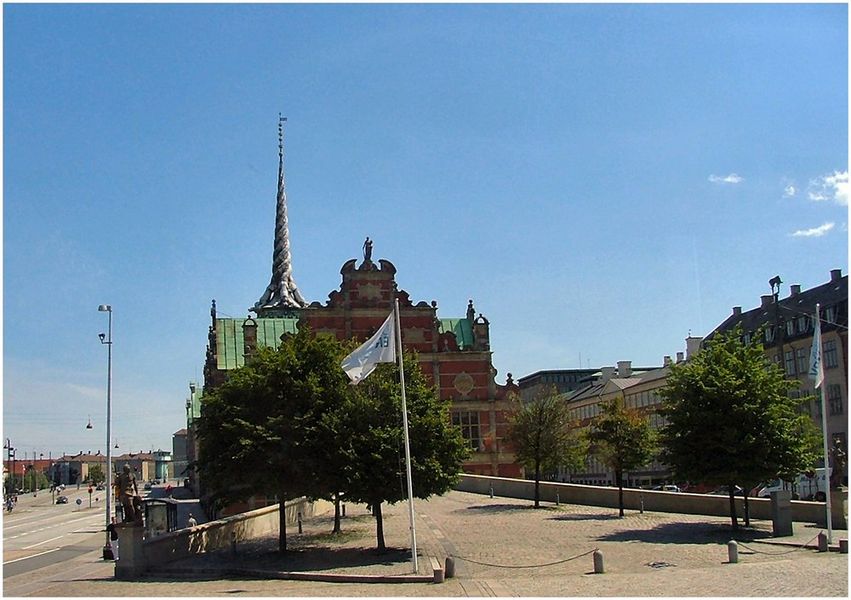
x,y
407,441
816,351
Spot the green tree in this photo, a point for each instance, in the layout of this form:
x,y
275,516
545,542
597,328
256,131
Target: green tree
x,y
730,420
96,474
375,444
544,436
622,439
259,431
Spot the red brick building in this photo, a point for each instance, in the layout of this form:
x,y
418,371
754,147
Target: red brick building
x,y
454,353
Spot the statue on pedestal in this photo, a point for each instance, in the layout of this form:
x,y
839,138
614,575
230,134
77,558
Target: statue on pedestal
x,y
128,496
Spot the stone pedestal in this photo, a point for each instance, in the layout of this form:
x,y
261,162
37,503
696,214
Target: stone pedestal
x,y
131,560
781,513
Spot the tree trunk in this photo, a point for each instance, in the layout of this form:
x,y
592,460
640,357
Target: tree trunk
x,y
537,485
282,523
337,528
379,525
731,490
619,478
747,509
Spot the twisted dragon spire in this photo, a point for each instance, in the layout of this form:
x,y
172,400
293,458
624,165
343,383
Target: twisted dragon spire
x,y
282,291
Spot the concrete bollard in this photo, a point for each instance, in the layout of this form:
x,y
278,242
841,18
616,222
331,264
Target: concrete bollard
x,y
449,571
733,551
641,501
598,562
822,542
343,509
557,500
843,545
298,518
491,491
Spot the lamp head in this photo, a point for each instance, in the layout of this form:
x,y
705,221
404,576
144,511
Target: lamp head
x,y
105,308
101,336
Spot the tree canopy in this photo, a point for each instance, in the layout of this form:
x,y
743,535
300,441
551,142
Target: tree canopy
x,y
731,421
289,424
544,436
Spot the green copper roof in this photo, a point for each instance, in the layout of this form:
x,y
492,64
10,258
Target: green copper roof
x,y
462,328
230,344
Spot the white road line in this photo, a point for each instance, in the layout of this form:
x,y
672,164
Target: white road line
x,y
9,562
44,542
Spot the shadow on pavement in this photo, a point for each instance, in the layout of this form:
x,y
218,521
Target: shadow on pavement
x,y
585,517
686,533
493,508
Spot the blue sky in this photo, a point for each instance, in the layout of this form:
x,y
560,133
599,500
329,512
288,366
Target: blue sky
x,y
600,179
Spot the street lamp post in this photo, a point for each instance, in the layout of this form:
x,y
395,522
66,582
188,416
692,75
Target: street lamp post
x,y
107,548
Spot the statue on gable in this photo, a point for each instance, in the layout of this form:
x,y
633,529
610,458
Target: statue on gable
x,y
367,251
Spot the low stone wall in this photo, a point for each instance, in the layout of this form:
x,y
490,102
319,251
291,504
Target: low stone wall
x,y
214,535
682,502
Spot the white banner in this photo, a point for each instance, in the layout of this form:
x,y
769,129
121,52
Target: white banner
x,y
380,348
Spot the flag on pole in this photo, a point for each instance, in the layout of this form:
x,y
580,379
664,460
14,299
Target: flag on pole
x,y
816,369
380,348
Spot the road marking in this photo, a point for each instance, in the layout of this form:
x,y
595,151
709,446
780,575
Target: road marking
x,y
44,542
9,562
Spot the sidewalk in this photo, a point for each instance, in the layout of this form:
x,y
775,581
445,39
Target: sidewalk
x,y
504,547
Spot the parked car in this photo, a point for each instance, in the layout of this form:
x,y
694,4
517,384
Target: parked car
x,y
147,485
62,500
99,486
666,488
725,491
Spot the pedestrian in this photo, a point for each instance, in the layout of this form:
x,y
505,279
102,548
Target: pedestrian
x,y
192,522
113,537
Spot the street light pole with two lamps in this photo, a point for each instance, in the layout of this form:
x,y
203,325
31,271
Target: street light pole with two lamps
x,y
107,548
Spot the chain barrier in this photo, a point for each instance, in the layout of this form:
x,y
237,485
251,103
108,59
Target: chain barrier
x,y
558,562
801,547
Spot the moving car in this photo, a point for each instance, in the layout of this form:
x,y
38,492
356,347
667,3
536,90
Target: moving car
x,y
62,500
666,488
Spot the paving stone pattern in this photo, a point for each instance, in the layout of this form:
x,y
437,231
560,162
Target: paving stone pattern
x,y
500,545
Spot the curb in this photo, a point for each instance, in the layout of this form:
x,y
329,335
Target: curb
x,y
293,575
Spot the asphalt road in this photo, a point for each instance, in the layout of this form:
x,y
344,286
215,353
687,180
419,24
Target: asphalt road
x,y
39,534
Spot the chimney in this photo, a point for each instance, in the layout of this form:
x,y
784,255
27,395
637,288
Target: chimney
x,y
624,368
606,373
766,300
836,274
666,361
679,357
794,289
737,311
692,346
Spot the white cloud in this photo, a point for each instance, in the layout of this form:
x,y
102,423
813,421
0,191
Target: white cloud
x,y
833,186
814,232
789,191
731,178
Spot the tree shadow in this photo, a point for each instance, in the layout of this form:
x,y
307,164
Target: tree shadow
x,y
686,533
494,508
585,517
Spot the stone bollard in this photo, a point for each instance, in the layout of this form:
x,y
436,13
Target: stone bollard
x,y
843,545
298,518
449,571
641,502
732,551
557,500
343,508
822,542
598,562
491,491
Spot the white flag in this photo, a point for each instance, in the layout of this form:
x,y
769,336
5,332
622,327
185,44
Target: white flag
x,y
816,369
380,348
